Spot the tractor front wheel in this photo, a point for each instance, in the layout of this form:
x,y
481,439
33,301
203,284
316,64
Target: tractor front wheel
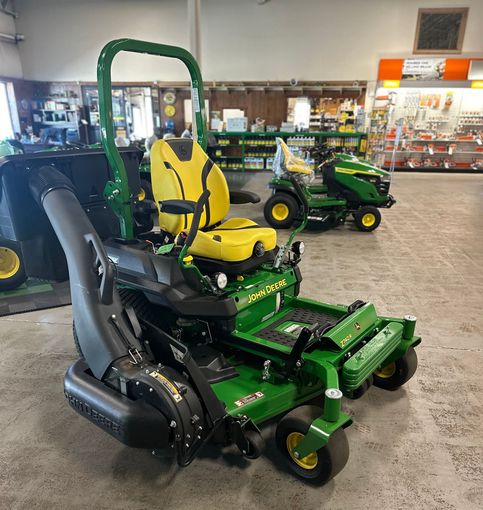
x,y
320,466
256,444
280,210
367,218
397,373
12,271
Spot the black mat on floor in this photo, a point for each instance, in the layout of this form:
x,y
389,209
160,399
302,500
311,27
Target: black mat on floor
x,y
298,315
34,295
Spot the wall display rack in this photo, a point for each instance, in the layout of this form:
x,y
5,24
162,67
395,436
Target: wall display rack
x,y
441,121
255,150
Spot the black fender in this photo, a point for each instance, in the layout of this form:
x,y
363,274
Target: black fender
x,y
278,188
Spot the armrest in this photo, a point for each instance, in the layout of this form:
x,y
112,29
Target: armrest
x,y
177,206
243,197
146,206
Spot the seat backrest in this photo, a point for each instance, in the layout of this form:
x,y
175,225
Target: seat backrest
x,y
285,161
180,169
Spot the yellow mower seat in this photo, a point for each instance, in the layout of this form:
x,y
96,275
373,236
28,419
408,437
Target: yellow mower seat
x,y
181,170
232,241
290,162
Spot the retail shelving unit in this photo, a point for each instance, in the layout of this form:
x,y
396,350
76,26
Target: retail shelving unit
x,y
255,151
439,143
420,125
56,112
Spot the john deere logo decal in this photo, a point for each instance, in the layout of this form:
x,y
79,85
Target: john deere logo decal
x,y
357,326
267,290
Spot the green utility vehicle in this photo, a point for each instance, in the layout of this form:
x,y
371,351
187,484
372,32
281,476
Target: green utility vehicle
x,y
350,186
197,333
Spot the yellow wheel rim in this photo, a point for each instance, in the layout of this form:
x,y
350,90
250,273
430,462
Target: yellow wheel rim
x,y
280,212
387,371
141,194
308,462
9,263
368,219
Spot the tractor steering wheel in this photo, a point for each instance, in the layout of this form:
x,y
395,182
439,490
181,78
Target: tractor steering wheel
x,y
323,151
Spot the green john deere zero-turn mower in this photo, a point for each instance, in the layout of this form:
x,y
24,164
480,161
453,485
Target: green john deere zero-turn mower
x,y
198,334
350,186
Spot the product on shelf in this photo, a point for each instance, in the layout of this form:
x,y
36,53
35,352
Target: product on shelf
x,y
255,151
414,128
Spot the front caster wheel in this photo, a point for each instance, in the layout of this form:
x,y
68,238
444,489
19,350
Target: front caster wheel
x,y
256,445
361,390
397,373
318,467
367,218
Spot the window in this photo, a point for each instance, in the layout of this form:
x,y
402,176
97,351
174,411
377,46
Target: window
x,y
6,128
440,30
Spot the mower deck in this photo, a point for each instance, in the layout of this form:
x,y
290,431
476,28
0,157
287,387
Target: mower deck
x,y
251,396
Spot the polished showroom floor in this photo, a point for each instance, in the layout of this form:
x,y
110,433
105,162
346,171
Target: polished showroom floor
x,y
418,447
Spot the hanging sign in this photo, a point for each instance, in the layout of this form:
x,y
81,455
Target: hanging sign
x,y
423,69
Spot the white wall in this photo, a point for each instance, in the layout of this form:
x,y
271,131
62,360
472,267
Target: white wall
x,y
241,40
64,37
316,39
9,54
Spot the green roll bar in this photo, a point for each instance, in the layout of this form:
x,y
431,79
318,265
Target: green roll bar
x,y
117,193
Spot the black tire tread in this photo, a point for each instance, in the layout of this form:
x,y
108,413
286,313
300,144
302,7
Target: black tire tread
x,y
148,189
20,276
361,212
332,457
406,367
289,201
257,445
76,341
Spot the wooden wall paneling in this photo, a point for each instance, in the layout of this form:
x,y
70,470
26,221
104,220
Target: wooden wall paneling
x,y
268,104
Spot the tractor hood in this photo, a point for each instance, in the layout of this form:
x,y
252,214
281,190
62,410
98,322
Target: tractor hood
x,y
345,163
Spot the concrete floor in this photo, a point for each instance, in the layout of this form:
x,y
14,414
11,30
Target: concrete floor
x,y
420,447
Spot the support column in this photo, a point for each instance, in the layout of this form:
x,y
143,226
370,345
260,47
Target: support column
x,y
194,15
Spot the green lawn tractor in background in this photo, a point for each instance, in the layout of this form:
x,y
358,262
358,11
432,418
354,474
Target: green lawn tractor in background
x,y
197,333
350,186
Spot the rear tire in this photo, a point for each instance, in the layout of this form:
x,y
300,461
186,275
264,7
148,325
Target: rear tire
x,y
146,190
367,218
12,270
281,210
144,220
318,467
76,341
393,376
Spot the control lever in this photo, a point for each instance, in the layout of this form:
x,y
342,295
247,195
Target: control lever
x,y
295,356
